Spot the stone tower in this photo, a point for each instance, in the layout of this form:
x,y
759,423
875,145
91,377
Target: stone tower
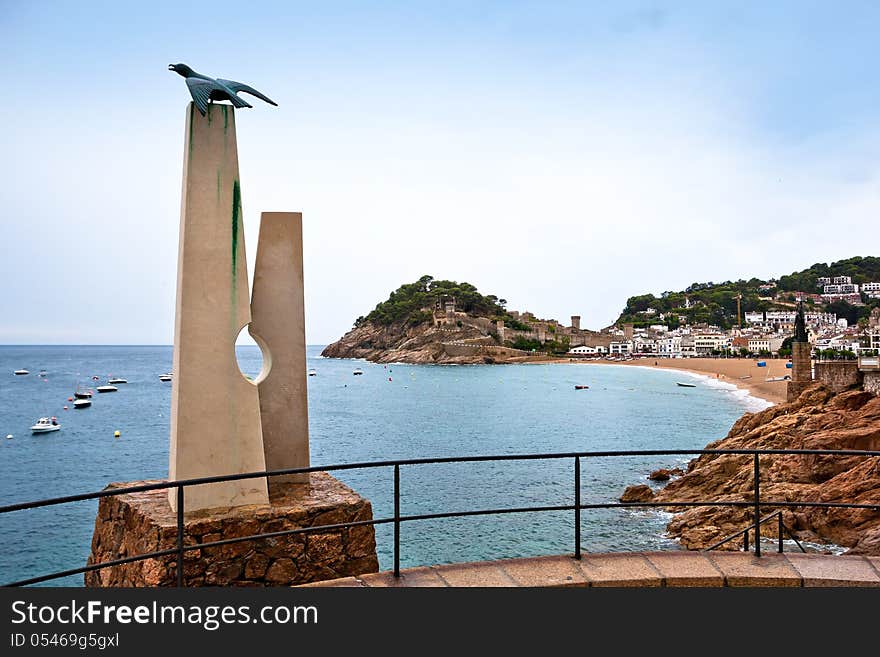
x,y
576,322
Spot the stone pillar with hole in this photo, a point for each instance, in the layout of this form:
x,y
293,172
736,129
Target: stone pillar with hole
x,y
224,424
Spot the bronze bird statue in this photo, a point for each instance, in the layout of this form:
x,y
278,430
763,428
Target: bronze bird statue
x,y
204,89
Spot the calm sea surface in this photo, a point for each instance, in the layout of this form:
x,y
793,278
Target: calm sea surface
x,y
391,412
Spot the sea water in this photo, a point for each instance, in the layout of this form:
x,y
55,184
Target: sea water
x,y
390,412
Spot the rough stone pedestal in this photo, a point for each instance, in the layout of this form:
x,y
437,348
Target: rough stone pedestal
x,y
801,369
136,523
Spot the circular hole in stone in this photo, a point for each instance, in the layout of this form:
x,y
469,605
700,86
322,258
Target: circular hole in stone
x,y
249,355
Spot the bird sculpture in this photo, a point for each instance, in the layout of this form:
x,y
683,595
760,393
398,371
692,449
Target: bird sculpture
x,y
204,89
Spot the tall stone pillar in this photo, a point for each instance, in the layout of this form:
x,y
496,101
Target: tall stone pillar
x,y
278,325
576,322
801,369
215,410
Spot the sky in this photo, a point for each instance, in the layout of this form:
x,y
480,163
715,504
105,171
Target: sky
x,y
561,155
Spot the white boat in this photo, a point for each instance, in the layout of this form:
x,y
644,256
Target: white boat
x,y
165,377
82,394
106,388
313,372
21,372
45,425
82,403
116,380
358,371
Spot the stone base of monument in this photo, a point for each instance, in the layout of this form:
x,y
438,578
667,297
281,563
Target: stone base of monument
x,y
131,524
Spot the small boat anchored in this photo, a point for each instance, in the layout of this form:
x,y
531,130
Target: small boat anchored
x,y
581,387
313,372
165,377
46,425
358,371
685,385
82,403
116,380
21,372
106,388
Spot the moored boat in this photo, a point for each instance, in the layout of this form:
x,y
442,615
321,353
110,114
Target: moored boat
x,y
45,425
116,380
165,377
106,388
685,385
82,403
358,371
21,372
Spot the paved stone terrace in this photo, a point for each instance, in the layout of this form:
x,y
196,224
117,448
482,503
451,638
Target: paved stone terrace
x,y
703,569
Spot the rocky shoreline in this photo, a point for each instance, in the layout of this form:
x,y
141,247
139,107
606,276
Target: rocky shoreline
x,y
426,344
818,419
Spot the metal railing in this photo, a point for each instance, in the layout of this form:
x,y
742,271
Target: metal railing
x,y
180,485
781,531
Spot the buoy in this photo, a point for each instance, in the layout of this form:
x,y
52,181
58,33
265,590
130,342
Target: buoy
x,y
389,378
8,436
116,434
70,399
65,408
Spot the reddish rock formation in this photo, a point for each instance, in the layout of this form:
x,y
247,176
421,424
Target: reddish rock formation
x,y
637,493
818,419
664,474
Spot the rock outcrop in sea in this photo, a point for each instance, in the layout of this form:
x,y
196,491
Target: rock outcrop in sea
x,y
818,419
403,342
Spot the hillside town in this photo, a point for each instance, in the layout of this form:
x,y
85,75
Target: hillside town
x,y
756,333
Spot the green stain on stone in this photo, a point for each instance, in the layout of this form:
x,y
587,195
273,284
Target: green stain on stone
x,y
225,119
236,219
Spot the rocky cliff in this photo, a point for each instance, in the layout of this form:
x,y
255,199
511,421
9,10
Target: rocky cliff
x,y
818,419
403,342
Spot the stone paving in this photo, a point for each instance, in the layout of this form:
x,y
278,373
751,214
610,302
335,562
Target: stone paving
x,y
694,569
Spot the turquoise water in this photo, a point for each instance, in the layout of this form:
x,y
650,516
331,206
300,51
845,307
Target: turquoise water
x,y
422,411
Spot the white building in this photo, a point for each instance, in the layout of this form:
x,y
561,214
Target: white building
x,y
669,347
772,345
705,345
871,287
842,288
620,348
584,350
841,280
823,280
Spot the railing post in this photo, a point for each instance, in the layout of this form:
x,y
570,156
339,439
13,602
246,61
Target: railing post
x,y
180,536
746,541
577,507
779,528
757,506
397,520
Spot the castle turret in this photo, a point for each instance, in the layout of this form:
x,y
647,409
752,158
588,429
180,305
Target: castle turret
x,y
576,322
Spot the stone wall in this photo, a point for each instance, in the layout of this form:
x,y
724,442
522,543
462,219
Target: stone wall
x,y
138,523
871,382
838,374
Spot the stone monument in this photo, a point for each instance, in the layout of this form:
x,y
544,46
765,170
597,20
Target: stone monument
x,y
221,422
801,361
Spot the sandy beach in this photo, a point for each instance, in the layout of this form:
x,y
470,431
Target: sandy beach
x,y
729,370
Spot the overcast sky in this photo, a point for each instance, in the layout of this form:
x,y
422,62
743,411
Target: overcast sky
x,y
561,155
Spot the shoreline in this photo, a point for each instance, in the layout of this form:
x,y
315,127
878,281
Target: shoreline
x,y
727,370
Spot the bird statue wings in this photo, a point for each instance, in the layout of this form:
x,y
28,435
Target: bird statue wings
x,y
205,90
